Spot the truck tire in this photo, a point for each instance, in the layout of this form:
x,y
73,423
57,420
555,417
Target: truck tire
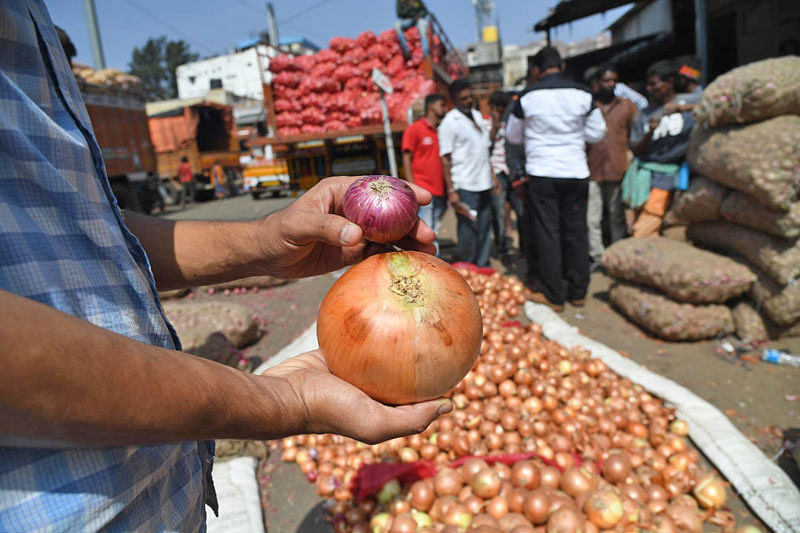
x,y
276,194
255,194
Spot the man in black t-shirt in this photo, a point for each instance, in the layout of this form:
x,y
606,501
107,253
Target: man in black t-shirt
x,y
659,139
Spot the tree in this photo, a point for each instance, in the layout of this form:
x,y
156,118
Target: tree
x,y
155,64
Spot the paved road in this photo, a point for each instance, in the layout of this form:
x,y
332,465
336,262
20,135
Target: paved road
x,y
239,208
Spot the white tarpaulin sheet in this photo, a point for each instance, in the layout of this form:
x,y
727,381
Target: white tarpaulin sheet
x,y
760,482
235,479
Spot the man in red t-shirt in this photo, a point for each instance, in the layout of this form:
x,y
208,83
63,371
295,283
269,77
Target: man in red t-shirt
x,y
422,164
186,179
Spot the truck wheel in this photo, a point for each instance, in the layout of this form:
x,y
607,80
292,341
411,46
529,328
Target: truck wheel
x,y
276,194
255,195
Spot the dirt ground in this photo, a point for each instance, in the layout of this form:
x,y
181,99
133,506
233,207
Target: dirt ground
x,y
757,397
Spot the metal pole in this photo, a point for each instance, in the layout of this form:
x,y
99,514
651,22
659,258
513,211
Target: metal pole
x,y
94,35
387,131
701,38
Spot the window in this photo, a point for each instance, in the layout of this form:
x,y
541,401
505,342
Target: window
x,y
215,83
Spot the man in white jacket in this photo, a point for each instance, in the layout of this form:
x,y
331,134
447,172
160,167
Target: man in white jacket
x,y
555,118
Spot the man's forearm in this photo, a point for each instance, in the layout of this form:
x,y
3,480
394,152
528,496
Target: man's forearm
x,y
409,174
190,253
448,178
73,382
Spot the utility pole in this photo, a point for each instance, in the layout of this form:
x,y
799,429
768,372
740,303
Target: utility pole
x,y
272,26
701,38
94,35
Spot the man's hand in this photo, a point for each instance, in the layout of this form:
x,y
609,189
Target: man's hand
x,y
316,401
497,188
311,236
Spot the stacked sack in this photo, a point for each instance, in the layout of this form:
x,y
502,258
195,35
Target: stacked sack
x,y
108,77
673,289
746,203
331,90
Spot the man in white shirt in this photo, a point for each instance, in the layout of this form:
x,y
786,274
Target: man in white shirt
x,y
464,148
555,118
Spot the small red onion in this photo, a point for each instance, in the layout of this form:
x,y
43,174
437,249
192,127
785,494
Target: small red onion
x,y
384,207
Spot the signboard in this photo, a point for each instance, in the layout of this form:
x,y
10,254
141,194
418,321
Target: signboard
x,y
380,79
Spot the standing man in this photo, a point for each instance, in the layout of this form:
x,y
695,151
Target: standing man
x,y
186,180
219,180
464,147
659,140
498,107
410,13
608,160
421,163
555,118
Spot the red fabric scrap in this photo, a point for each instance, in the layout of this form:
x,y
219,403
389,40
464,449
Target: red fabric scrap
x,y
371,478
472,268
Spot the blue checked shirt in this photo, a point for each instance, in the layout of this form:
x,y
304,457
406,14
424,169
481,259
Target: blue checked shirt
x,y
63,243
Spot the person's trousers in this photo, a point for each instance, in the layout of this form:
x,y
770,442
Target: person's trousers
x,y
432,214
604,197
474,236
560,236
650,218
422,27
507,194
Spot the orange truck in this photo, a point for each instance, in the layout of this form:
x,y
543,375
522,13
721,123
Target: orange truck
x,y
202,131
120,124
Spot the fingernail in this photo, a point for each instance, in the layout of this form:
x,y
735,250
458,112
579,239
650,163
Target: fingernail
x,y
349,234
445,407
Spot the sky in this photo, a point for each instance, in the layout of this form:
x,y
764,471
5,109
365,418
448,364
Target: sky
x,y
213,27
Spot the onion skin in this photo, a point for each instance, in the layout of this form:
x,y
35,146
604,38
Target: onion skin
x,y
710,492
403,327
384,207
565,520
604,509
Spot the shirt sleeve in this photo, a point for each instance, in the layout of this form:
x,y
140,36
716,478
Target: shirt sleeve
x,y
638,128
594,129
624,91
515,129
446,138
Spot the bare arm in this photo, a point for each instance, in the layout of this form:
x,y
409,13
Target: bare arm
x,y
407,166
307,238
452,194
72,383
94,386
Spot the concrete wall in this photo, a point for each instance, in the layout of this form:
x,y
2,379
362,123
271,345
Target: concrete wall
x,y
656,17
240,73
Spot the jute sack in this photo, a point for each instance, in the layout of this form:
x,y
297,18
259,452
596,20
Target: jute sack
x,y
680,270
745,210
702,202
669,319
749,324
752,92
778,258
761,159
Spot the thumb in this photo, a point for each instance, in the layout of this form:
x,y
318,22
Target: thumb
x,y
414,418
335,230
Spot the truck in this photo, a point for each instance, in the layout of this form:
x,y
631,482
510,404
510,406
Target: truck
x,y
201,130
120,125
262,175
352,150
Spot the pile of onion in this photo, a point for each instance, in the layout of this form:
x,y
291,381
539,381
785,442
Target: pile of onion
x,y
604,454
